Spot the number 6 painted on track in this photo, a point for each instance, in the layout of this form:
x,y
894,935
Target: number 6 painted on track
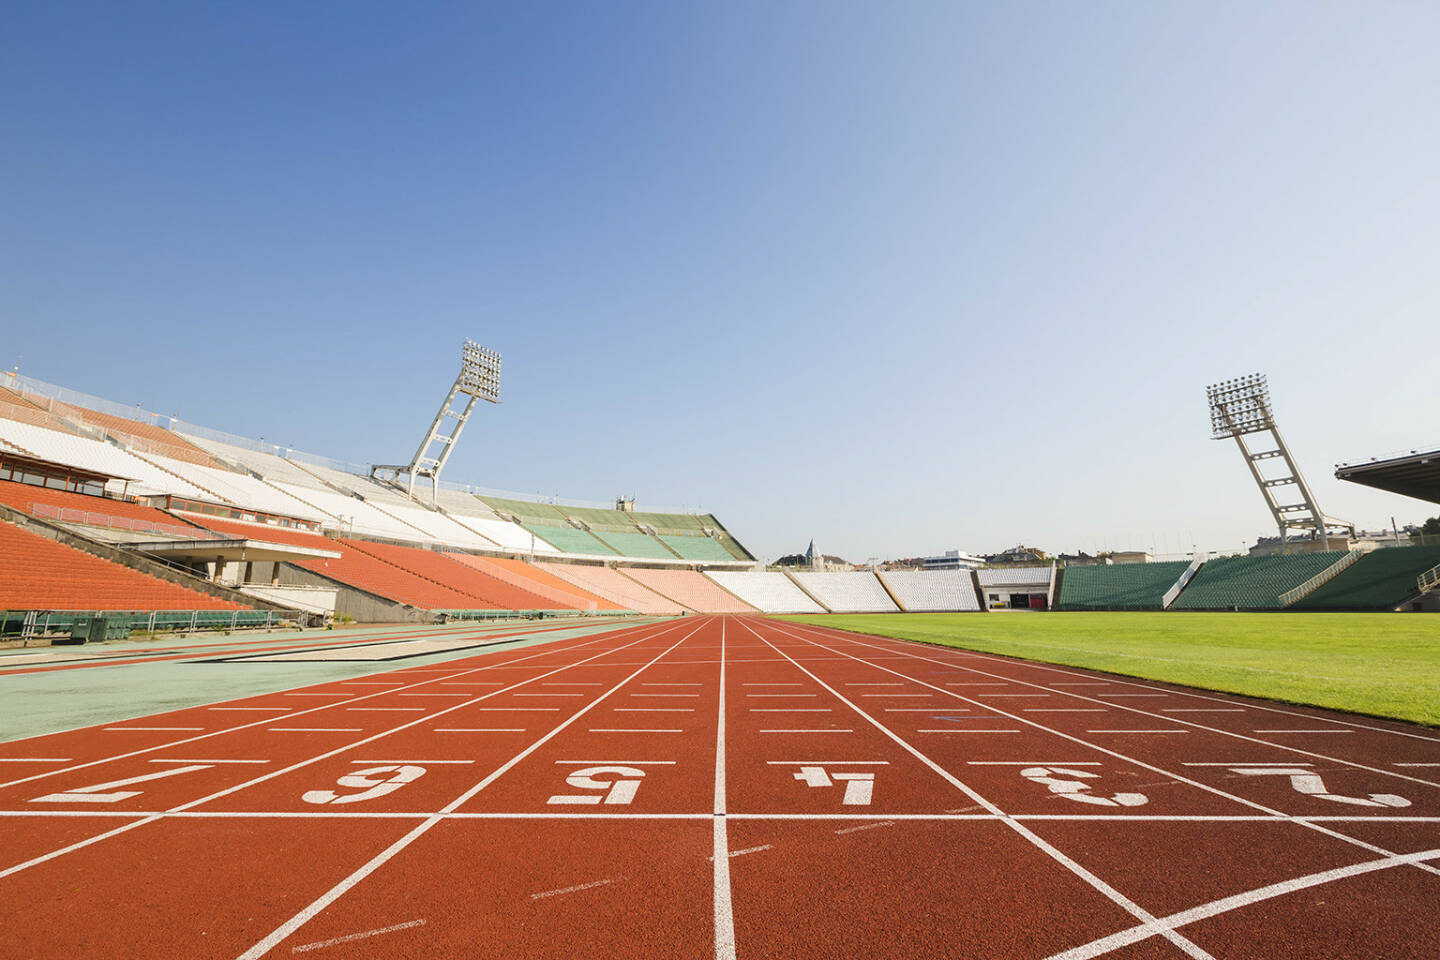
x,y
1075,789
399,776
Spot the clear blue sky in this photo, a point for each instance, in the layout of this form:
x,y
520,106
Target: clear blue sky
x,y
899,277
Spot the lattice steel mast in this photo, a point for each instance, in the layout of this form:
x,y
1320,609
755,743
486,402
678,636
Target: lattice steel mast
x,y
1241,407
479,379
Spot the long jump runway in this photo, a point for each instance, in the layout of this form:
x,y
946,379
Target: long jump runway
x,y
725,787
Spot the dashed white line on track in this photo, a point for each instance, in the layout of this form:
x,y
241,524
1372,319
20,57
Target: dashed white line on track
x,y
1137,731
313,729
621,730
866,826
1305,731
358,936
575,889
154,728
480,729
177,760
34,759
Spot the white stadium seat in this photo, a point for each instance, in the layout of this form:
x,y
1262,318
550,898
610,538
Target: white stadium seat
x,y
932,590
854,591
765,590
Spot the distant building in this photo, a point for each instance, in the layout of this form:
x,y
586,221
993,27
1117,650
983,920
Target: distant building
x,y
1018,554
1131,556
952,560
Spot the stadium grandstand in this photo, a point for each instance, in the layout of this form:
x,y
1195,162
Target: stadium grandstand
x,y
932,590
1252,583
1120,586
766,590
163,514
853,591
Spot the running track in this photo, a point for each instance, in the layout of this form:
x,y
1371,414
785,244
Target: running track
x,y
725,787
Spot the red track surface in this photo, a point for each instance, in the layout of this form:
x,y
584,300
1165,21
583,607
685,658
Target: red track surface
x,y
867,797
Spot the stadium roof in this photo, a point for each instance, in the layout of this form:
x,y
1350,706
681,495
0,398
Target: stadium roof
x,y
1414,474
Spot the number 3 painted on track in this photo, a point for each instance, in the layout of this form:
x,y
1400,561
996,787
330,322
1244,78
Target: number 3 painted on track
x,y
1075,789
370,787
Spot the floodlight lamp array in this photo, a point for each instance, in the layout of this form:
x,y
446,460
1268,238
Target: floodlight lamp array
x,y
1239,406
480,371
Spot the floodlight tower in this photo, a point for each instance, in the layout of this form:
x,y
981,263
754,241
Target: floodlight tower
x,y
1241,407
479,379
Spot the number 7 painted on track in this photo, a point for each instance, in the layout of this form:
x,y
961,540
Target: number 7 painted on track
x,y
94,794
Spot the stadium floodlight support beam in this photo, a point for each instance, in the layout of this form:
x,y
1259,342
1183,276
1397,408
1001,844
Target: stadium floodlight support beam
x,y
479,379
1241,408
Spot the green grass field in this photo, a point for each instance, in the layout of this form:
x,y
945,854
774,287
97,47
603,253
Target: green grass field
x,y
1383,664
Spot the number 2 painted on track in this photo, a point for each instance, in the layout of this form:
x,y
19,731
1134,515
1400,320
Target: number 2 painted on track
x,y
1309,783
400,774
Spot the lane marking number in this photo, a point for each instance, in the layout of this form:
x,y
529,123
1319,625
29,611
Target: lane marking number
x,y
859,787
620,785
370,782
96,794
1310,784
1076,789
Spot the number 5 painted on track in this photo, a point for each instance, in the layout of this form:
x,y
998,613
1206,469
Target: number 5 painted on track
x,y
617,791
399,776
1310,784
1075,789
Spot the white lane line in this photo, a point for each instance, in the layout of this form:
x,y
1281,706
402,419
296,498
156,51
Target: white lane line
x,y
1243,763
741,853
838,763
313,730
791,695
154,728
1114,895
807,731
1305,731
628,730
358,936
1202,710
177,760
434,694
654,709
386,709
34,759
337,693
1406,764
1033,763
1163,925
721,902
873,684
416,762
621,763
772,684
338,890
479,729
997,696
1132,694
1064,709
549,694
575,889
243,709
1309,823
573,683
668,683
790,710
518,709
978,683
1081,683
949,730
471,683
511,664
664,694
903,696
1137,731
865,826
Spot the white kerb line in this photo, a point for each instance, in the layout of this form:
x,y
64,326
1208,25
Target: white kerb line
x,y
1115,896
380,859
724,908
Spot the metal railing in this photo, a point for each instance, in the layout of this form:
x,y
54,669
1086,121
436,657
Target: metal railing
x,y
92,519
1295,595
1429,580
1183,581
29,624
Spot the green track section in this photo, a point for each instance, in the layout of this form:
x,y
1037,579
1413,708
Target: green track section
x,y
1386,665
32,704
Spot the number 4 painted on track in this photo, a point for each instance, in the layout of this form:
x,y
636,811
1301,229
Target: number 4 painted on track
x,y
859,787
95,794
1310,784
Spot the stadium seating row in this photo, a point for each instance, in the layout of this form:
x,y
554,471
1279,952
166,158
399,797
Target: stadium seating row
x,y
1250,583
1122,586
932,590
40,574
1380,580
